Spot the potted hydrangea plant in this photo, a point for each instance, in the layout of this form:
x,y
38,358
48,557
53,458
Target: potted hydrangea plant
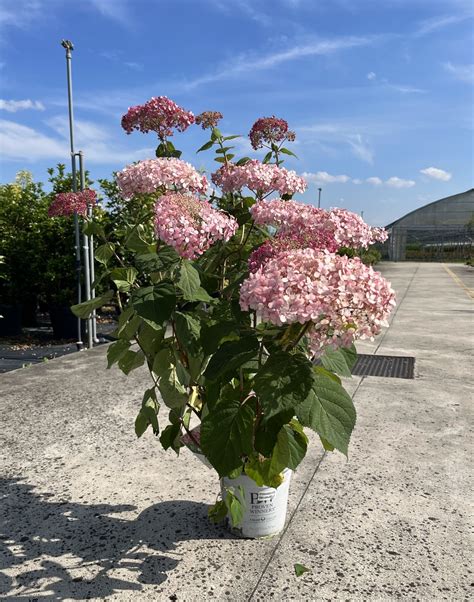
x,y
228,298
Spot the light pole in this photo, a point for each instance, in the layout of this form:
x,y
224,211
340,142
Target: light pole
x,y
68,46
319,198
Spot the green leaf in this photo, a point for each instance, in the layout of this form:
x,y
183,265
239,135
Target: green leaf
x,y
104,252
243,161
84,310
162,363
230,356
188,331
300,569
223,150
130,360
91,228
135,242
234,499
155,303
267,157
141,423
205,146
327,446
129,330
150,339
232,137
339,361
189,281
267,432
260,471
283,382
350,353
328,410
218,512
328,373
213,335
123,278
215,134
170,437
226,432
202,295
289,450
115,351
150,408
124,317
285,151
174,394
220,159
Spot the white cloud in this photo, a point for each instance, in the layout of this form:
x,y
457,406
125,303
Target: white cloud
x,y
247,63
436,173
371,75
395,182
464,73
357,181
374,180
117,10
406,89
436,23
12,106
323,177
20,142
339,134
361,148
134,66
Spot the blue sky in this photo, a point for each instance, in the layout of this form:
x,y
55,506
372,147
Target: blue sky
x,y
380,93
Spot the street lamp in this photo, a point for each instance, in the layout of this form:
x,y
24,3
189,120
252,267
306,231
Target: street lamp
x,y
88,241
319,198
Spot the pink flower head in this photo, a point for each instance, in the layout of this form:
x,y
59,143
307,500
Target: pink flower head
x,y
299,226
191,225
160,115
68,203
259,177
208,119
352,231
343,298
146,177
269,130
317,238
379,234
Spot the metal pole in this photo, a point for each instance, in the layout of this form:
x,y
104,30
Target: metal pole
x,y
85,245
77,244
319,198
92,274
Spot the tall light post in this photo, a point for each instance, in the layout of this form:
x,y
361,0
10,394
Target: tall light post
x,y
68,46
319,198
87,240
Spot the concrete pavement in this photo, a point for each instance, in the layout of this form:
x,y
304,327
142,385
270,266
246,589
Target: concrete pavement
x,y
89,512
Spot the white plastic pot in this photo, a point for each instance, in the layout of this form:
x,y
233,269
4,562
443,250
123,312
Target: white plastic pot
x,y
265,507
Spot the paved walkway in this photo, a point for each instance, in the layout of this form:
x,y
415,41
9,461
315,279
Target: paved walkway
x,y
90,512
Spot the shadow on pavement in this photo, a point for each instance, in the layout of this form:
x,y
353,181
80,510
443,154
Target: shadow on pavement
x,y
76,546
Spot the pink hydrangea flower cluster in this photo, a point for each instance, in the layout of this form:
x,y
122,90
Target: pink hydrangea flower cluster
x,y
317,237
352,231
342,297
68,203
145,177
258,177
208,119
160,115
191,225
269,130
379,234
336,228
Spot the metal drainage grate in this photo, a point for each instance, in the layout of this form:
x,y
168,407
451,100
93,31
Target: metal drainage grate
x,y
390,366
